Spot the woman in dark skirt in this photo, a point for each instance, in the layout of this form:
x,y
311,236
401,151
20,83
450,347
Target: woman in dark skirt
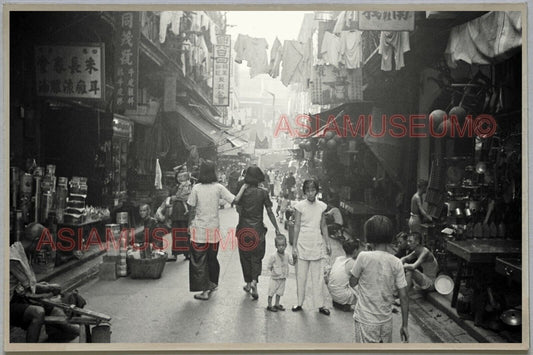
x,y
251,230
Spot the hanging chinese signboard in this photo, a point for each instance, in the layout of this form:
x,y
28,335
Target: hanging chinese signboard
x,y
70,71
330,85
127,60
387,20
221,75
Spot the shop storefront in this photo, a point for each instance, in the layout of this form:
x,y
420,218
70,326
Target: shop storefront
x,y
471,73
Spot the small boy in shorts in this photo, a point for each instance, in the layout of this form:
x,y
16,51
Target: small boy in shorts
x,y
278,265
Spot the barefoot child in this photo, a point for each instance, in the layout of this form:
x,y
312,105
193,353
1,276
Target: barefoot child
x,y
278,265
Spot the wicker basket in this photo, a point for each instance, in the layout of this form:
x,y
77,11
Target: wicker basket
x,y
146,268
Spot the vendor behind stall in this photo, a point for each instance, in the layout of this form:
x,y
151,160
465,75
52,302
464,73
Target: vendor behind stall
x,y
149,225
417,210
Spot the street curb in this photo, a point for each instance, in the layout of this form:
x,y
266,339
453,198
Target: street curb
x,y
482,335
415,313
82,279
70,265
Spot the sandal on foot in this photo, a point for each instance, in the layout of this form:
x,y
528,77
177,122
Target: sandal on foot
x,y
253,291
324,311
297,308
272,308
280,307
247,288
202,297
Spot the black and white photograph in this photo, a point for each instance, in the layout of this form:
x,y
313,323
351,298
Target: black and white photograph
x,y
298,177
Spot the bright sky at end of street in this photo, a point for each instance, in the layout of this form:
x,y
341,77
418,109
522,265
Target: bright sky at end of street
x,y
265,24
268,25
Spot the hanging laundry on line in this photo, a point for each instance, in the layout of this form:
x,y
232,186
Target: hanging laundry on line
x,y
254,51
172,18
393,44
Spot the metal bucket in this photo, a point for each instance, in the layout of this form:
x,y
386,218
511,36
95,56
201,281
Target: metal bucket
x,y
101,334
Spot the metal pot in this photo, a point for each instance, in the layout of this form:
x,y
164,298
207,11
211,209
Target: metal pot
x,y
512,317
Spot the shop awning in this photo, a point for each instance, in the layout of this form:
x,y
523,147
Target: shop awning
x,y
488,39
321,132
352,109
194,129
232,144
236,141
389,151
197,128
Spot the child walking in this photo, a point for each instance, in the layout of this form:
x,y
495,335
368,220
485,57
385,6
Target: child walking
x,y
283,205
278,265
377,275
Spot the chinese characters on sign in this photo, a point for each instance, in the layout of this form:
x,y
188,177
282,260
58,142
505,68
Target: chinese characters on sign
x,y
70,71
330,85
126,60
221,75
387,20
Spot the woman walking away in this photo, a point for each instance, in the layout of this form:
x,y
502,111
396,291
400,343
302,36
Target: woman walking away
x,y
310,235
204,268
251,230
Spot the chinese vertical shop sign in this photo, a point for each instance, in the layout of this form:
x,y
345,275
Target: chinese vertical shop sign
x,y
387,20
221,75
127,60
70,71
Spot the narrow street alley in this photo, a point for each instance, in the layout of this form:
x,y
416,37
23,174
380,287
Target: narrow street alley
x,y
164,311
392,138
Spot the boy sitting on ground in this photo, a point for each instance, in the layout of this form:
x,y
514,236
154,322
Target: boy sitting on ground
x,y
338,277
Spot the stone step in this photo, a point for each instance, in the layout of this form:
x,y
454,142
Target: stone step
x,y
443,303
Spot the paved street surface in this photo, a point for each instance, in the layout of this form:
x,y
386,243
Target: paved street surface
x,y
164,311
